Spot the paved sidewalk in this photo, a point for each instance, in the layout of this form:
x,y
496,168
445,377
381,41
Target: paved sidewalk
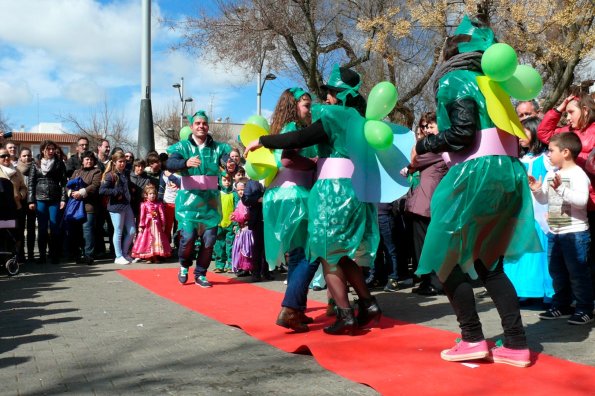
x,y
87,330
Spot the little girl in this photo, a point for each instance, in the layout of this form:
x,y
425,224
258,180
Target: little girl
x,y
151,241
243,242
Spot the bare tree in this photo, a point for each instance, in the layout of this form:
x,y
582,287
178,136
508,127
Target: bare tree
x,y
4,123
102,123
298,37
167,123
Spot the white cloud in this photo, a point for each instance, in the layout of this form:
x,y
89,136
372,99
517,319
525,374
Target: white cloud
x,y
14,92
84,91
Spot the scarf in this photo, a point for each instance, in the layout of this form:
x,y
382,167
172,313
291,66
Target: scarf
x,y
466,61
46,165
8,171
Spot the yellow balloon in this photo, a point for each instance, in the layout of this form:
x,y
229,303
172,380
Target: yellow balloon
x,y
269,179
500,109
250,132
263,157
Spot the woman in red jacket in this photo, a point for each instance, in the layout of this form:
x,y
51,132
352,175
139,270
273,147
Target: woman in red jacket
x,y
580,117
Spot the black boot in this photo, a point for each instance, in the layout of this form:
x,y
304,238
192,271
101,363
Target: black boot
x,y
368,310
345,322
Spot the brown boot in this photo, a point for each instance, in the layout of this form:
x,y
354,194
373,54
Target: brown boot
x,y
291,319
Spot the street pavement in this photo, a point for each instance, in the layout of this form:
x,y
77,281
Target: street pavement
x,y
87,330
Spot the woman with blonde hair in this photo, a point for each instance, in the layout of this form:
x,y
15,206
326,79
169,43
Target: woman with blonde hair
x,y
115,184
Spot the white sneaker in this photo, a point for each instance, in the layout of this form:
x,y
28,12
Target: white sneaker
x,y
132,260
121,261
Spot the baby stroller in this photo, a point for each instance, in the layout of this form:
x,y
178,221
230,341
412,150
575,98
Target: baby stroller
x,y
8,243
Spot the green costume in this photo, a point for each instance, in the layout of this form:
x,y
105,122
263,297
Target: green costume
x,y
225,234
339,223
194,207
482,208
285,208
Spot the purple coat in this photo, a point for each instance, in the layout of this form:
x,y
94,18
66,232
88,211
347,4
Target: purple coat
x,y
432,169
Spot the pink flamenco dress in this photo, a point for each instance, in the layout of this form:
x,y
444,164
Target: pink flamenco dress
x,y
241,254
151,241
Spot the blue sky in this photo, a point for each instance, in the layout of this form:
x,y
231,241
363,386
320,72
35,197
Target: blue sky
x,y
63,57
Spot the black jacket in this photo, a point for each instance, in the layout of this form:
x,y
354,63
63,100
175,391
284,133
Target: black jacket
x,y
73,163
464,123
48,187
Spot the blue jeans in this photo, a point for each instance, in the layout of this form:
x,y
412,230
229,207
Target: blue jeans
x,y
83,236
300,273
386,223
48,212
188,238
124,230
568,256
89,235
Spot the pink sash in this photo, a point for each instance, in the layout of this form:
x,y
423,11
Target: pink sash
x,y
334,168
292,177
200,182
490,141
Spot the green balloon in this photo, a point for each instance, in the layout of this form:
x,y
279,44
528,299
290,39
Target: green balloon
x,y
256,172
378,134
260,121
525,84
185,132
499,62
381,101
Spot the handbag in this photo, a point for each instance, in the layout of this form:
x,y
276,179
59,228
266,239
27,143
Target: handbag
x,y
75,211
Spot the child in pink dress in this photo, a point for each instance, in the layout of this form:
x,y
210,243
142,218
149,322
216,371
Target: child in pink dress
x,y
243,243
151,241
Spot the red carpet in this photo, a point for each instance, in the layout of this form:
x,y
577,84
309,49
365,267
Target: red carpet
x,y
398,358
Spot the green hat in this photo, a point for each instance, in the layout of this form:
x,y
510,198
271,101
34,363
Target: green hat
x,y
481,37
344,81
298,92
199,114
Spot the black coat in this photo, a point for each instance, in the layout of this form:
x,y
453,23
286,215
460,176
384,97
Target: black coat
x,y
48,187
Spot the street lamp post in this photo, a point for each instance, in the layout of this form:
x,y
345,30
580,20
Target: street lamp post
x,y
259,82
183,100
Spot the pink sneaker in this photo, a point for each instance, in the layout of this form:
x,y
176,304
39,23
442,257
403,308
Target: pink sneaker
x,y
466,351
514,357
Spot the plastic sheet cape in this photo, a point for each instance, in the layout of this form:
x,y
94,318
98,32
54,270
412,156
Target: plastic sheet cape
x,y
285,212
376,177
202,208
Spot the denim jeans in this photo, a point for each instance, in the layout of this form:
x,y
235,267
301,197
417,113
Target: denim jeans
x,y
89,235
300,273
386,222
82,236
48,212
568,256
188,238
124,230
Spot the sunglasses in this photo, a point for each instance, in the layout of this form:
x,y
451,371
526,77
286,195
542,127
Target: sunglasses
x,y
424,126
4,156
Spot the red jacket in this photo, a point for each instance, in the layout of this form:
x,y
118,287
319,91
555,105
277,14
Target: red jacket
x,y
548,127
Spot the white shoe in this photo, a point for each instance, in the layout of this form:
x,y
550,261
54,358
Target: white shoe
x,y
121,261
132,260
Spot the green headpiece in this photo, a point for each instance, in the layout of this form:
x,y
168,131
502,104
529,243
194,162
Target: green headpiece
x,y
344,81
298,92
198,114
481,37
